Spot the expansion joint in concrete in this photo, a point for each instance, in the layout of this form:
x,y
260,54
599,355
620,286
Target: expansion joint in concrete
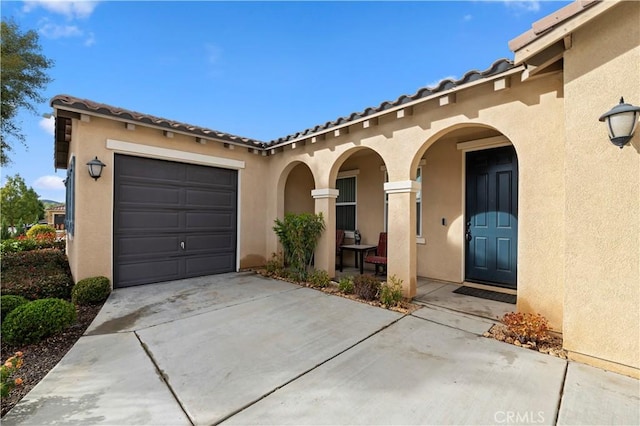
x,y
309,370
163,376
564,380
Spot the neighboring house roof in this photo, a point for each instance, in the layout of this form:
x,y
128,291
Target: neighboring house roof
x,y
69,107
58,208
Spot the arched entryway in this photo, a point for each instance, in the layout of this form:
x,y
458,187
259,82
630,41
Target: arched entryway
x,y
359,176
469,208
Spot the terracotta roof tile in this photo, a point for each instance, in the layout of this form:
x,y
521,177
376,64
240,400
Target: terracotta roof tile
x,y
497,67
549,22
108,110
78,104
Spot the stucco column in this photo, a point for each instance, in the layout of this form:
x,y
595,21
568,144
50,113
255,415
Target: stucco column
x,y
401,233
325,257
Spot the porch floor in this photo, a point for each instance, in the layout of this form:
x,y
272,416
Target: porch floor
x,y
439,294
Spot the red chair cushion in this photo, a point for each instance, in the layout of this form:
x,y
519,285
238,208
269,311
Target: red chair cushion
x,y
379,260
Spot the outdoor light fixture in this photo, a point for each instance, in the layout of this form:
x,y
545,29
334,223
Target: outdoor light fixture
x,y
95,168
621,121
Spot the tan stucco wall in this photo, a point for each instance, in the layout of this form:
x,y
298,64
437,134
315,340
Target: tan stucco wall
x,y
90,249
602,263
518,113
297,197
441,255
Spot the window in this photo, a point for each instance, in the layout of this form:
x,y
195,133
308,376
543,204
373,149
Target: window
x,y
418,203
346,203
70,197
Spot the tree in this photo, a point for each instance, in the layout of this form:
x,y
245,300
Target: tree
x,y
23,77
20,204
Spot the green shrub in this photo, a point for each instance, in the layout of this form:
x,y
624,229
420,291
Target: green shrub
x,y
19,244
366,287
299,234
391,292
91,291
45,231
8,303
36,274
345,285
275,266
38,286
48,258
319,278
32,322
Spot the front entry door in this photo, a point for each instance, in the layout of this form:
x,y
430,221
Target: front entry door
x,y
492,216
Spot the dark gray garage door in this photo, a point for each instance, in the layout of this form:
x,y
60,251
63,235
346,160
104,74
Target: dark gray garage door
x,y
172,220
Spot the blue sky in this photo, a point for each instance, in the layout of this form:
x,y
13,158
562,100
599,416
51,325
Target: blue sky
x,y
256,69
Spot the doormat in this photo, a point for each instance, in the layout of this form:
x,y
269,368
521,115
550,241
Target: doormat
x,y
486,294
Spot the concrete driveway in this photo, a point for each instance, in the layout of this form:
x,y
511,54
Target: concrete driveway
x,y
243,349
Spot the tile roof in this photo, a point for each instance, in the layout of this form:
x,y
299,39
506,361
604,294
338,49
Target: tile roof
x,y
549,22
66,101
497,67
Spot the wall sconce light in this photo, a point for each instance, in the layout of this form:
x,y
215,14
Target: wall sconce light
x,y
621,121
95,168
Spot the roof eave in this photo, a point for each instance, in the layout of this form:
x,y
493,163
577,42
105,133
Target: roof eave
x,y
436,95
543,35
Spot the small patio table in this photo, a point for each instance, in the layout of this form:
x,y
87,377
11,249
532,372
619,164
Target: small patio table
x,y
360,250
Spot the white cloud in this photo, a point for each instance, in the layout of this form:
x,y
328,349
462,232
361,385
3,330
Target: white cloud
x,y
48,125
467,17
49,182
70,9
50,30
524,5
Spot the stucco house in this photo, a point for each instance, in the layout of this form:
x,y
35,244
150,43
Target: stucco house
x,y
504,177
54,216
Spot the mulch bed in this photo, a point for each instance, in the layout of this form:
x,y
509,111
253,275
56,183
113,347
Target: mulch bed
x,y
552,345
40,358
403,307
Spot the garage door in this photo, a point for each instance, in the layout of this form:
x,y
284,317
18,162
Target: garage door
x,y
172,220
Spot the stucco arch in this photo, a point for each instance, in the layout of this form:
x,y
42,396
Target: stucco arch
x,y
461,132
283,176
344,156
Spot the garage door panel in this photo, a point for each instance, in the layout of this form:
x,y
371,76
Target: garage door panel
x,y
160,204
132,247
211,221
210,264
148,221
144,194
210,198
138,168
211,176
210,242
143,272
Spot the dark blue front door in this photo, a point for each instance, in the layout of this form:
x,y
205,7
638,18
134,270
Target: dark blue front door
x,y
492,216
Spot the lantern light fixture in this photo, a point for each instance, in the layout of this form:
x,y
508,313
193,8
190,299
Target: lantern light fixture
x,y
621,122
95,168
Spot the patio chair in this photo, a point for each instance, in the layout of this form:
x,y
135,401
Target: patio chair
x,y
339,243
380,258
